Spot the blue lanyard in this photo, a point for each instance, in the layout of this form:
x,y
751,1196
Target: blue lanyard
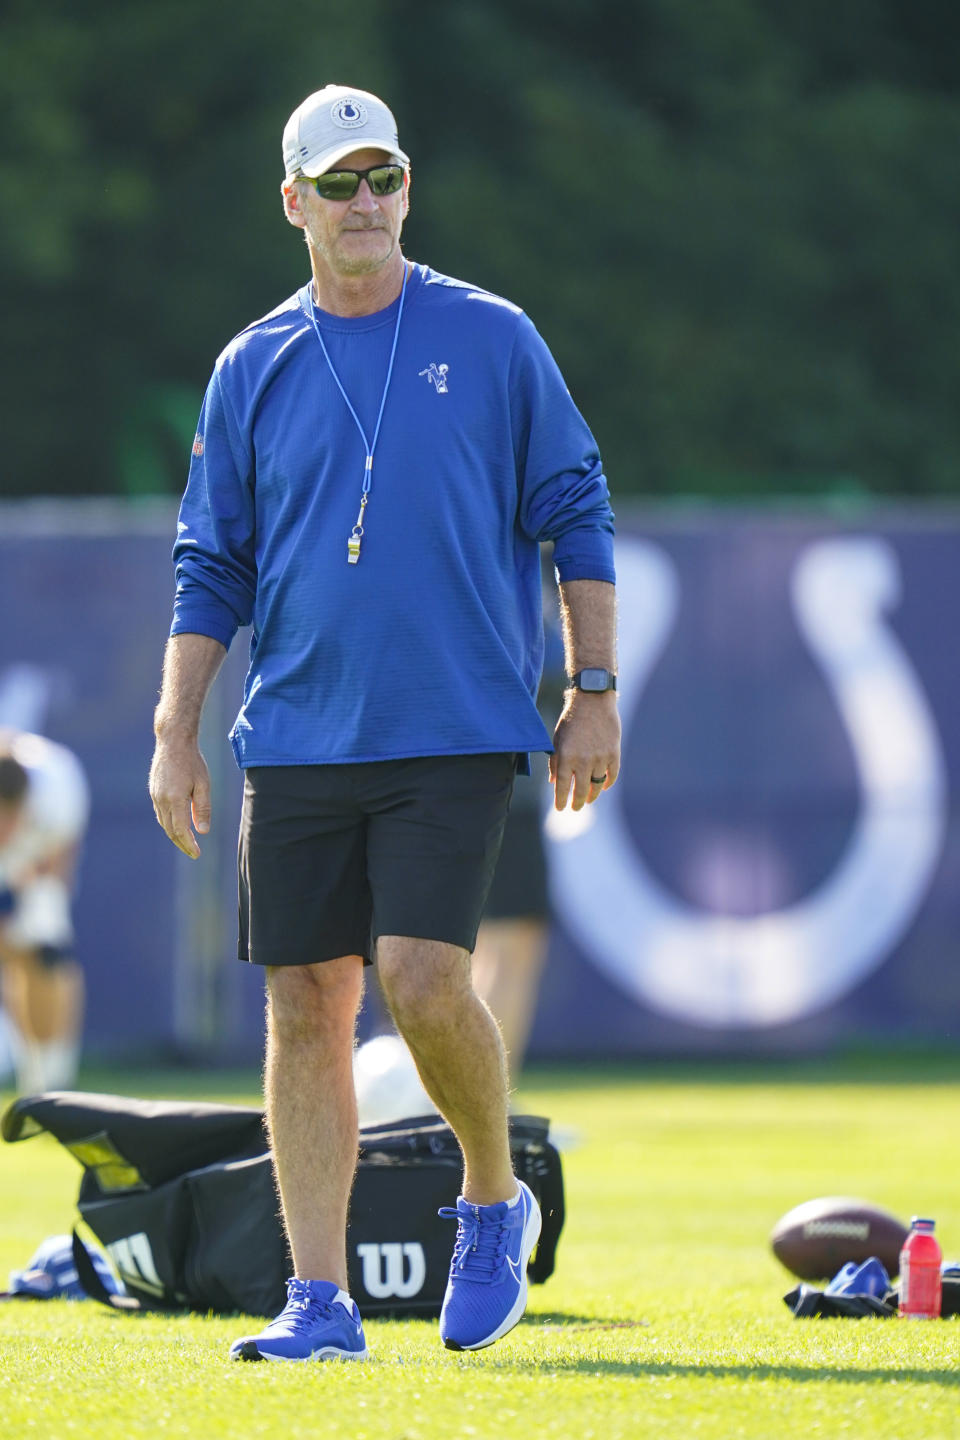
x,y
356,534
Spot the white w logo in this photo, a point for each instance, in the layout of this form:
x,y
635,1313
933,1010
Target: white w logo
x,y
383,1269
135,1263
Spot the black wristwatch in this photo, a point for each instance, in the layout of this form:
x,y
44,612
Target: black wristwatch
x,y
594,681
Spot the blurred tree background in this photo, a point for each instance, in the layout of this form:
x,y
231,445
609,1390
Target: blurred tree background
x,y
735,222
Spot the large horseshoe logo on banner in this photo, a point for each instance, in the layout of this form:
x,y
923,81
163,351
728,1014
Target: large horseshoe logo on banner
x,y
718,970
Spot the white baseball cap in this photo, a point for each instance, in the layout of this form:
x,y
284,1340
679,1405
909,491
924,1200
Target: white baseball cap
x,y
333,121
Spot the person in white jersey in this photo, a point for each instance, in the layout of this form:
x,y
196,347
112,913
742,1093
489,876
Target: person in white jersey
x,y
44,808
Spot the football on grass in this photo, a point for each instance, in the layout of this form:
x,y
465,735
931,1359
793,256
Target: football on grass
x,y
816,1239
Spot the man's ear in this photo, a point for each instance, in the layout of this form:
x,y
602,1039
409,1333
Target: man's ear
x,y
406,193
291,204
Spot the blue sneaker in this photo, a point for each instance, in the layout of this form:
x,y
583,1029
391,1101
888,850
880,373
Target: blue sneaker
x,y
318,1322
487,1290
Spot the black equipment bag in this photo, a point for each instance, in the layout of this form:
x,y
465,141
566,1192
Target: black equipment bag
x,y
183,1198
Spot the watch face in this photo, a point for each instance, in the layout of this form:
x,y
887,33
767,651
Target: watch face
x,y
595,680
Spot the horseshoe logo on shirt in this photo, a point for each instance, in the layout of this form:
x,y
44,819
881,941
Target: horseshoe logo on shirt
x,y
719,970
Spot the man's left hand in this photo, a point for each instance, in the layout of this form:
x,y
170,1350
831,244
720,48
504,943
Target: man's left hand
x,y
586,748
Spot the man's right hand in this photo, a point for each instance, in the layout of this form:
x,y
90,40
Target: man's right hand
x,y
180,791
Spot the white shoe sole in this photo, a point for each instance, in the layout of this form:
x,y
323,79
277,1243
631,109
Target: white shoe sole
x,y
327,1353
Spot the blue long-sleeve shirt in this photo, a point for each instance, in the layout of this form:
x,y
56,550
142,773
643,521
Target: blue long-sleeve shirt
x,y
432,644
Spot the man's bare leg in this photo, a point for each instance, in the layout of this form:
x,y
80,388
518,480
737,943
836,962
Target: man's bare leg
x,y
45,1005
456,1044
312,1108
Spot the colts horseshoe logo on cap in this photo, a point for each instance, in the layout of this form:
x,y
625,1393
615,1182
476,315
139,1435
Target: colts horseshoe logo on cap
x,y
348,113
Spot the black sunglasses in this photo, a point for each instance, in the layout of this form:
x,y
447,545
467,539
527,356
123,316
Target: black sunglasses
x,y
344,184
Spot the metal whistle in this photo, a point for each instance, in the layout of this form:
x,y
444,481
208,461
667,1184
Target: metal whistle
x,y
356,535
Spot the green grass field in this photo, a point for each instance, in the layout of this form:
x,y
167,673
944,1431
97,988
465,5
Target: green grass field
x,y
664,1316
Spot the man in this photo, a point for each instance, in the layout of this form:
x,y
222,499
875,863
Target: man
x,y
44,805
375,465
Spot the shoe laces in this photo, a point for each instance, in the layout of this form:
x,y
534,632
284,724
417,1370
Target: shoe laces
x,y
302,1305
481,1246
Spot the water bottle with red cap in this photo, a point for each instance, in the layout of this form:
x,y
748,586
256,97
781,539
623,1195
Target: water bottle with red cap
x,y
920,1261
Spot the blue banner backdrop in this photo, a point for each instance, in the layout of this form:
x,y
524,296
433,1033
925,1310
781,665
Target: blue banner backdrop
x,y
776,870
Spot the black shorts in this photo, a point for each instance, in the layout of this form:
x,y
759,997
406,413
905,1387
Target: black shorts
x,y
519,889
333,856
